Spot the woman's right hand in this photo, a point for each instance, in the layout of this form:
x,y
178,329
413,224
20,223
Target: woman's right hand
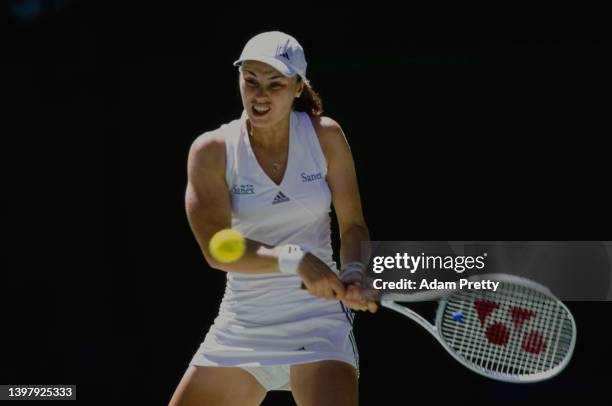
x,y
319,279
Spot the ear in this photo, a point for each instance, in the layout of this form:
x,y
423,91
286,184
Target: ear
x,y
301,89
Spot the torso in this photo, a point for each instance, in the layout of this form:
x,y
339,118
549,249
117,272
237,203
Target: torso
x,y
291,205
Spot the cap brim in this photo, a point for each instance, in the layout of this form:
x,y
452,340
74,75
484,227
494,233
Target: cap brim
x,y
273,62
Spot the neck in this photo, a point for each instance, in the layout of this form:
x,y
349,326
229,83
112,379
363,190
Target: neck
x,y
270,138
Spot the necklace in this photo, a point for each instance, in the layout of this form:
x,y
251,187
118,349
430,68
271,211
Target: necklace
x,y
276,167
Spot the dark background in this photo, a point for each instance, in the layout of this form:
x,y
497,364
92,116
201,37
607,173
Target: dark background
x,y
454,139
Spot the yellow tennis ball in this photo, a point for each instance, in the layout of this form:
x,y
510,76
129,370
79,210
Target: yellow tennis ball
x,y
227,245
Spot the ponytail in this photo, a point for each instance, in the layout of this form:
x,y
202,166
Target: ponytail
x,y
309,101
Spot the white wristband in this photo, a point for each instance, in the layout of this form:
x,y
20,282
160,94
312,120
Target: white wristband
x,y
351,268
289,257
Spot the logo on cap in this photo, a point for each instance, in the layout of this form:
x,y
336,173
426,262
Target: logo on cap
x,y
285,54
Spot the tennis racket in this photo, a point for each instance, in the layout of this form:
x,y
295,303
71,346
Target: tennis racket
x,y
519,333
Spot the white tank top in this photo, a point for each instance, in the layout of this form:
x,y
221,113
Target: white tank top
x,y
295,212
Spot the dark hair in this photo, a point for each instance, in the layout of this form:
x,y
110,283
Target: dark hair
x,y
309,101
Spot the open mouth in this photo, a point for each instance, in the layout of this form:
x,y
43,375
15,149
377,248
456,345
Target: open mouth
x,y
260,110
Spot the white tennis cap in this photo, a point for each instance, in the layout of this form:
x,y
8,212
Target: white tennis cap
x,y
277,49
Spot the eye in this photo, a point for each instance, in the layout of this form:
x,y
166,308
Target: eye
x,y
276,85
251,82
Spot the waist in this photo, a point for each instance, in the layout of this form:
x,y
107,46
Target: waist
x,y
264,306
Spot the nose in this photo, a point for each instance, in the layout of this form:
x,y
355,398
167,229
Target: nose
x,y
260,92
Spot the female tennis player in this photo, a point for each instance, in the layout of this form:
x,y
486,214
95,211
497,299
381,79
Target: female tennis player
x,y
273,174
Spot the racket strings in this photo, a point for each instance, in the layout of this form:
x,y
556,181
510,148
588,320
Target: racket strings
x,y
514,331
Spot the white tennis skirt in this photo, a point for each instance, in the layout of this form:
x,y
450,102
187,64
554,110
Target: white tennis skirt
x,y
262,327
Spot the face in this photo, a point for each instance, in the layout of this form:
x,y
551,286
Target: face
x,y
267,95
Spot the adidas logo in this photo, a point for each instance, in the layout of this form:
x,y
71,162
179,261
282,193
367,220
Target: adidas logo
x,y
280,198
285,54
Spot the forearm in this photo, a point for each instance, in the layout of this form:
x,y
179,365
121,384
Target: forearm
x,y
355,245
258,258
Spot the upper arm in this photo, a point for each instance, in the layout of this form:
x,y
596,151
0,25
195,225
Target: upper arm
x,y
341,175
207,200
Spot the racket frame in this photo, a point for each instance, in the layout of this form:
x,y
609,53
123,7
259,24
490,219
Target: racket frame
x,y
390,301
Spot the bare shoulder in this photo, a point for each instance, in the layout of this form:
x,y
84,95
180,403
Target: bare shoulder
x,y
331,136
326,127
208,142
207,151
